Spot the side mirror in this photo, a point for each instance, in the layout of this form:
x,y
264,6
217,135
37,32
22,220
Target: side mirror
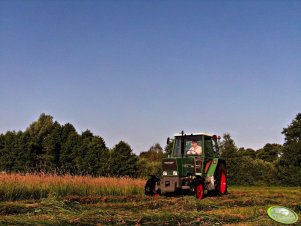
x,y
168,140
216,138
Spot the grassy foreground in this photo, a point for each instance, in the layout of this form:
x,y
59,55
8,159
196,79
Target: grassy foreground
x,y
87,203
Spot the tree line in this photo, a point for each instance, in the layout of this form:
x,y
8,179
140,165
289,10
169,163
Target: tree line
x,y
48,147
274,164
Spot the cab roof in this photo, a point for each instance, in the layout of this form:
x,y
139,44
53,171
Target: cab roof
x,y
194,134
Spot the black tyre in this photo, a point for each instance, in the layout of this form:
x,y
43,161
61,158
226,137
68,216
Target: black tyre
x,y
199,187
220,177
150,186
199,190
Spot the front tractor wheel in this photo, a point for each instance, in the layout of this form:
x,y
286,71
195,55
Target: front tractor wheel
x,y
221,177
150,187
199,191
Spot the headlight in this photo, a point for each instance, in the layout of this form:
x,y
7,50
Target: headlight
x,y
164,173
175,173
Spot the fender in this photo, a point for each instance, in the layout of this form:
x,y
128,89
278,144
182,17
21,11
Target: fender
x,y
213,166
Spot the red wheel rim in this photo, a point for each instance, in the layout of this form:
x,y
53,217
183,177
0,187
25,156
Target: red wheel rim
x,y
223,183
199,192
156,195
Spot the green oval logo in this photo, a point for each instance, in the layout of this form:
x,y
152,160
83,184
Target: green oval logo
x,y
282,215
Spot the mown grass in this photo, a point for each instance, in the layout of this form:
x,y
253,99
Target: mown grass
x,y
242,206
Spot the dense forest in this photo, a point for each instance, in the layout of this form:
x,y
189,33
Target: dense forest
x,y
48,147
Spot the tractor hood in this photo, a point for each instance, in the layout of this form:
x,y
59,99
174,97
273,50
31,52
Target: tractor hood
x,y
178,166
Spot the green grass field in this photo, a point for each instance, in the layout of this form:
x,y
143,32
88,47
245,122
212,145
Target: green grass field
x,y
128,206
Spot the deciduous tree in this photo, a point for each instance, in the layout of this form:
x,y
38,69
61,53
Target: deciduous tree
x,y
123,162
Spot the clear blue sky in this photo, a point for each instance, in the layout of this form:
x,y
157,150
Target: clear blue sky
x,y
140,71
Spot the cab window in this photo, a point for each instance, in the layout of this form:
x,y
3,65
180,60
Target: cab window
x,y
209,152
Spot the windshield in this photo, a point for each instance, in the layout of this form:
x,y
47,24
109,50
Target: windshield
x,y
192,146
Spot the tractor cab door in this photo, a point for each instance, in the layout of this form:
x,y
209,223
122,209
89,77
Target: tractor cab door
x,y
202,163
200,160
209,153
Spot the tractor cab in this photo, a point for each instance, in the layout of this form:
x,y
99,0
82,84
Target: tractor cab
x,y
194,153
189,145
193,166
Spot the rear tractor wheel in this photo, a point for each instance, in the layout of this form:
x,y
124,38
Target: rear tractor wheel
x,y
221,179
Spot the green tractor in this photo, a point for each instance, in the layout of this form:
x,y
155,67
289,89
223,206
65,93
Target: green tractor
x,y
193,167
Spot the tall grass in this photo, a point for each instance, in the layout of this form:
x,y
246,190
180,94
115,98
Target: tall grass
x,y
29,186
